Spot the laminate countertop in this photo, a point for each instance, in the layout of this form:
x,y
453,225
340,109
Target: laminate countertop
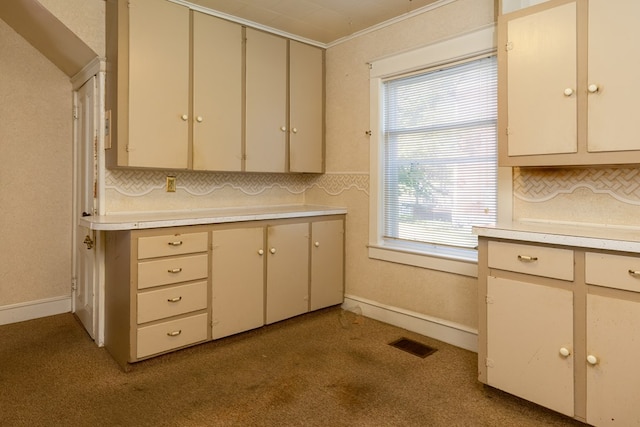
x,y
614,238
142,220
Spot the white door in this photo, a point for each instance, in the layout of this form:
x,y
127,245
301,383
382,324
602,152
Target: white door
x,y
85,137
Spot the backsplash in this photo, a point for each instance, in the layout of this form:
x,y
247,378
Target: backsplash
x,y
608,196
136,190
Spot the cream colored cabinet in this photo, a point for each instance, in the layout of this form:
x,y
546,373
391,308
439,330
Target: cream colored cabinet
x,y
169,288
306,108
529,327
165,113
612,346
147,84
567,71
530,324
217,94
266,102
327,263
237,279
187,90
284,116
558,325
287,286
156,292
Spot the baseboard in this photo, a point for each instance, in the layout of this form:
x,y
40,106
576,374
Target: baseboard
x,y
34,309
442,330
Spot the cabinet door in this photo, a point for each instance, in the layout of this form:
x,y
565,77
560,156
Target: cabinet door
x,y
217,94
158,84
266,102
612,383
327,263
541,65
306,117
614,67
527,326
287,271
237,280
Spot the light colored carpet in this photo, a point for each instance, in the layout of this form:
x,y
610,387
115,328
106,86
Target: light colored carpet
x,y
327,368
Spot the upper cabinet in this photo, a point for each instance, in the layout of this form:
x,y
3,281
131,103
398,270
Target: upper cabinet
x,y
566,92
188,90
148,84
284,105
217,94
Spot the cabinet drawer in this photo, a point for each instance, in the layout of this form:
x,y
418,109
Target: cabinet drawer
x,y
167,302
172,244
613,271
172,270
530,259
173,334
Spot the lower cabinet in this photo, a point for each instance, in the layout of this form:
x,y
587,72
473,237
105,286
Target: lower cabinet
x,y
558,326
529,326
169,288
237,278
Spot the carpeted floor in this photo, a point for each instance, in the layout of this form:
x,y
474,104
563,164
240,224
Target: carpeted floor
x,y
327,368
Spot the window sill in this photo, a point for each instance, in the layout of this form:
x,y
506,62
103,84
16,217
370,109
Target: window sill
x,y
457,262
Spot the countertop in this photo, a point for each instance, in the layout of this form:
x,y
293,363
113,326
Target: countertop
x,y
141,220
615,238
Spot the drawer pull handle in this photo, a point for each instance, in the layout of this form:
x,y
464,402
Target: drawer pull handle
x,y
527,258
176,299
634,273
175,270
174,333
176,243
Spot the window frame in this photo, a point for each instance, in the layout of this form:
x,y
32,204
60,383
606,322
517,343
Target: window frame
x,y
447,52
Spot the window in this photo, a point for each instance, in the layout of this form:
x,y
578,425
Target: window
x,y
440,154
434,162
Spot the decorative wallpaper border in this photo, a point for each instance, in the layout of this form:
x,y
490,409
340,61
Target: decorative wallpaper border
x,y
541,185
138,183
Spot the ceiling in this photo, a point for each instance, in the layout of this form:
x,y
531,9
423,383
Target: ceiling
x,y
322,21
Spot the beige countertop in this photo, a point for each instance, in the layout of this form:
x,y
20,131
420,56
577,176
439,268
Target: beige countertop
x,y
593,236
141,220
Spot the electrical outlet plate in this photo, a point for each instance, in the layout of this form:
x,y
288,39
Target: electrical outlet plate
x,y
171,184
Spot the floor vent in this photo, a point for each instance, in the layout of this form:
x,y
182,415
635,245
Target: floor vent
x,y
413,347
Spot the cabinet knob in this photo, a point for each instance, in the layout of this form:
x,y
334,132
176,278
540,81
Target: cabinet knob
x,y
283,128
294,130
527,258
316,244
174,333
175,243
260,252
634,273
272,250
184,117
199,119
568,92
592,360
175,299
593,88
175,270
564,352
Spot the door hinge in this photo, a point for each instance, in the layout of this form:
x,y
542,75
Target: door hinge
x,y
74,284
75,112
488,363
508,46
488,299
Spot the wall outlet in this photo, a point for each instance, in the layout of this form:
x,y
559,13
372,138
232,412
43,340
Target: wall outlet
x,y
171,184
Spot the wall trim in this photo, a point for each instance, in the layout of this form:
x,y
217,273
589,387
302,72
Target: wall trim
x,y
29,310
443,330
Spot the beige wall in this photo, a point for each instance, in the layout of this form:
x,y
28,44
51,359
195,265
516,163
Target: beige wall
x,y
433,293
36,174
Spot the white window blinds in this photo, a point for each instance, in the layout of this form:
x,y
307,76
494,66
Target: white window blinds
x,y
440,154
